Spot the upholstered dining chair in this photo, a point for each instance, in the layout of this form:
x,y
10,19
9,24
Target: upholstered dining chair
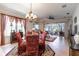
x,y
42,43
32,42
21,45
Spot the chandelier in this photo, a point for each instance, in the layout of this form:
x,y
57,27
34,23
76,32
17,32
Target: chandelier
x,y
30,16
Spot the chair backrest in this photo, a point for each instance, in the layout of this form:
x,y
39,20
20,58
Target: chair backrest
x,y
29,32
32,42
43,35
19,39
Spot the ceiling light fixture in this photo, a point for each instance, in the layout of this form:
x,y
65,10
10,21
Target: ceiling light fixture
x,y
32,17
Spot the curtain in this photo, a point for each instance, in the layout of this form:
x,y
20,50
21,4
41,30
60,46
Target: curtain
x,y
23,27
3,19
7,27
18,25
9,24
16,21
24,24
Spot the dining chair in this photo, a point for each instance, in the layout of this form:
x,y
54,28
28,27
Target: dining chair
x,y
21,45
32,42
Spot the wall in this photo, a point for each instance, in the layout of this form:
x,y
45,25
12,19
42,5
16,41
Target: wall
x,y
76,14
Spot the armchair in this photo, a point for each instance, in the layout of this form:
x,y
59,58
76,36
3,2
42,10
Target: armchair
x,y
21,45
42,43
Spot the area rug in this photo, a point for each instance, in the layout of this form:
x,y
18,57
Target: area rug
x,y
48,52
51,39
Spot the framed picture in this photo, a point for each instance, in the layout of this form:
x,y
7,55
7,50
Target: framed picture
x,y
75,20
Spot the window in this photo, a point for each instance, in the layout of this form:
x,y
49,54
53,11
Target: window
x,y
36,26
14,25
11,24
53,28
7,27
18,26
22,27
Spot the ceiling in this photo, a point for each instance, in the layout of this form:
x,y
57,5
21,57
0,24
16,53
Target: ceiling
x,y
42,10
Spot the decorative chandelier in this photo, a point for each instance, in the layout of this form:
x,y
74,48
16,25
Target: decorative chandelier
x,y
30,15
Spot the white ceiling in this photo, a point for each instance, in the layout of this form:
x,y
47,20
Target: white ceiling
x,y
43,10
